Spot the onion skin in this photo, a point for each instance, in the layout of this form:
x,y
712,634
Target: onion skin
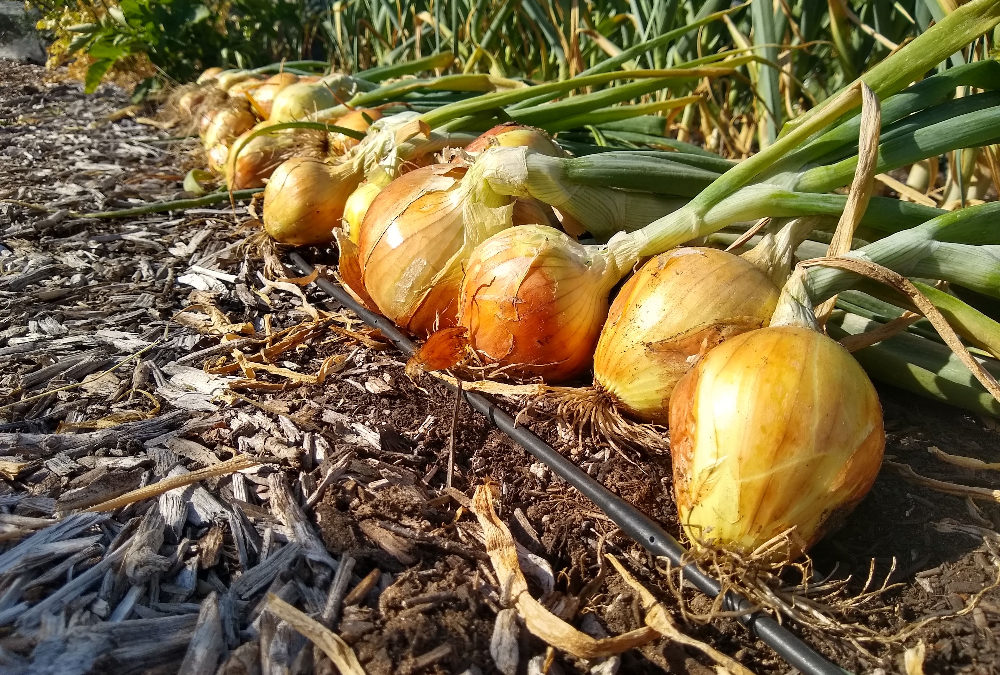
x,y
227,123
357,120
263,95
773,429
357,206
208,74
304,200
533,301
677,306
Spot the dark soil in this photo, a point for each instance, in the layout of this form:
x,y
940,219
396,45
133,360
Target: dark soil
x,y
379,441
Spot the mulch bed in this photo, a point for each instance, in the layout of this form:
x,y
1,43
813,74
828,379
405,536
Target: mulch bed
x,y
114,374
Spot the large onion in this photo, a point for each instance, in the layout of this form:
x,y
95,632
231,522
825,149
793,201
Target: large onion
x,y
512,134
264,94
677,306
357,120
775,429
418,233
305,200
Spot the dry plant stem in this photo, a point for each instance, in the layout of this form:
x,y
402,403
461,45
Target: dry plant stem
x,y
333,645
659,619
904,285
861,187
156,489
957,489
538,620
853,343
451,437
964,462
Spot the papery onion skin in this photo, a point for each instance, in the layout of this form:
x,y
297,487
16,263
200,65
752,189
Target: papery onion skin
x,y
356,120
304,200
262,96
357,206
258,158
773,429
533,301
226,124
676,306
208,74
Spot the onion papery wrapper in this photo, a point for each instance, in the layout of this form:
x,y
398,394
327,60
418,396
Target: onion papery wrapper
x,y
304,200
228,122
513,134
357,206
775,434
676,307
533,301
262,97
418,234
356,120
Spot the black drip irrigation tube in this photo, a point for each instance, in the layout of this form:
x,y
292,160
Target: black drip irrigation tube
x,y
629,519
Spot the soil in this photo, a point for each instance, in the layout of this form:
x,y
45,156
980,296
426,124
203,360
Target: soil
x,y
375,445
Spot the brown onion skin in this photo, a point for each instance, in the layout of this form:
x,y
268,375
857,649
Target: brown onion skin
x,y
356,120
258,158
227,123
304,200
677,306
775,428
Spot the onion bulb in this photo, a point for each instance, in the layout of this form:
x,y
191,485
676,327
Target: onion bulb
x,y
249,164
417,235
774,430
208,74
676,306
304,200
262,96
533,301
512,134
301,99
225,124
357,120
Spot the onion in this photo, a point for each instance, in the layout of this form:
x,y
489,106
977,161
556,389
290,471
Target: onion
x,y
304,200
298,100
418,233
208,74
774,429
229,122
259,157
244,87
358,120
262,96
512,134
677,306
227,78
535,299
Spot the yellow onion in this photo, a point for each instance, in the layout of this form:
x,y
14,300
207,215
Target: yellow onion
x,y
262,96
228,78
678,305
244,87
209,74
249,164
301,99
512,134
304,200
357,206
417,235
357,120
533,300
227,123
774,429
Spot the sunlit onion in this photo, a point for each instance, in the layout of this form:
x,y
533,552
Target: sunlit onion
x,y
357,206
262,96
512,134
678,305
304,200
356,120
775,429
533,301
251,163
227,123
417,235
298,100
208,74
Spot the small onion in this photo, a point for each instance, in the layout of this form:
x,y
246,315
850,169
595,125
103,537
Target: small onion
x,y
243,88
227,123
208,74
533,300
249,164
678,305
774,429
357,120
304,200
298,100
262,97
512,134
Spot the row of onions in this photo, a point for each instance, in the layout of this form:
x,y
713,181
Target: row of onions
x,y
511,244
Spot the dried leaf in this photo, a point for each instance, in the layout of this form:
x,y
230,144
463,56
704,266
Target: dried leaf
x,y
659,619
538,620
333,645
964,462
444,349
985,494
10,469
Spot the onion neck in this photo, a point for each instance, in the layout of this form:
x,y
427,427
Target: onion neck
x,y
775,254
795,307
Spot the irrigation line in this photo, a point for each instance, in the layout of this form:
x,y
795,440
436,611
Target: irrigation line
x,y
629,519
